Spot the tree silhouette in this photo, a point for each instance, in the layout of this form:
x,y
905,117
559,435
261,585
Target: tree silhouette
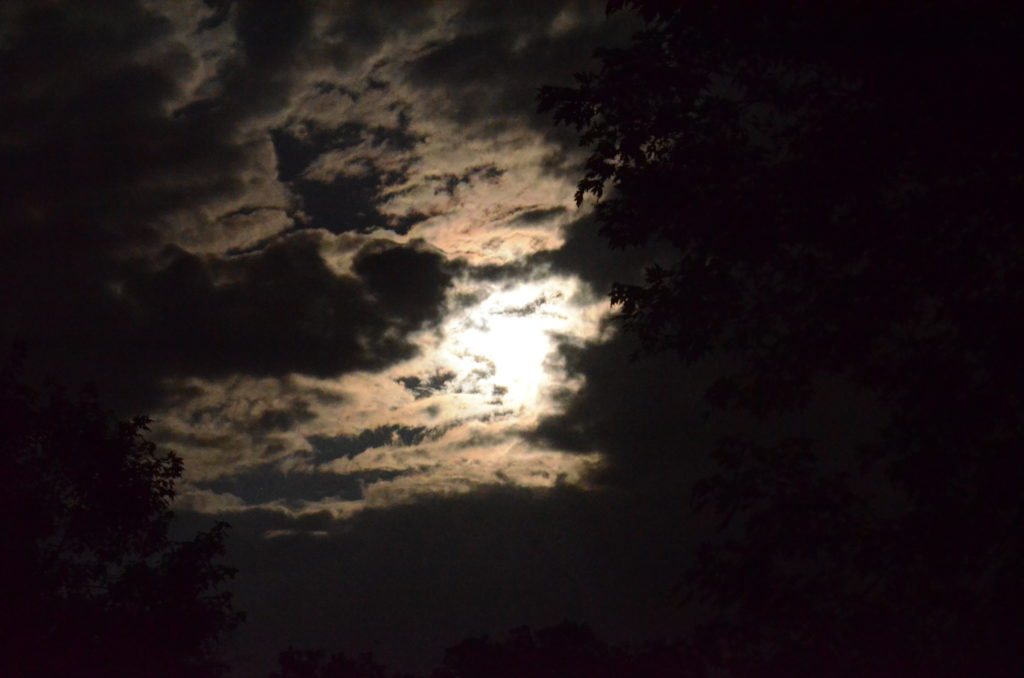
x,y
93,585
294,663
566,650
840,186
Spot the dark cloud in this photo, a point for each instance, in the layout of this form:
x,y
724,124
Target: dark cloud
x,y
88,147
409,581
491,64
586,254
407,283
651,419
538,215
276,311
260,78
271,32
648,415
356,29
96,150
645,415
282,419
221,12
528,309
514,271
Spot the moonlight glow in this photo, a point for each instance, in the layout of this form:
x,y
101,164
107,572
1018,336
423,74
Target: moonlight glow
x,y
503,347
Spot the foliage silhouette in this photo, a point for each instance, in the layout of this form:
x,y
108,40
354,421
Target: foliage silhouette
x,y
567,650
841,188
294,663
93,584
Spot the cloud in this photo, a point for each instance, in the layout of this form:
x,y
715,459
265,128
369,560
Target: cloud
x,y
586,254
226,199
646,417
538,215
268,485
329,448
339,174
115,126
193,131
491,60
407,284
409,581
216,202
316,241
104,167
276,311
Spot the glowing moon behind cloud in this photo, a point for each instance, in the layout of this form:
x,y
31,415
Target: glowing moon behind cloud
x,y
503,347
399,163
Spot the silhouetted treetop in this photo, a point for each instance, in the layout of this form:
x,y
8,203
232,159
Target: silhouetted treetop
x,y
835,180
93,584
836,192
294,663
566,650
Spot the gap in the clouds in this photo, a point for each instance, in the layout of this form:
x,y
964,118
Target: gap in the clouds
x,y
297,149
329,448
338,174
426,386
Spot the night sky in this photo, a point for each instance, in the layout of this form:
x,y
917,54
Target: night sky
x,y
332,250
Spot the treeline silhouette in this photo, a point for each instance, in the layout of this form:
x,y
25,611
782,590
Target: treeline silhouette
x,y
567,650
835,193
92,583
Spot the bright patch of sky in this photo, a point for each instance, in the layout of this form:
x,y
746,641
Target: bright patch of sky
x,y
454,167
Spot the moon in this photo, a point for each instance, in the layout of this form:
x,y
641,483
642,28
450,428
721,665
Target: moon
x,y
504,347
